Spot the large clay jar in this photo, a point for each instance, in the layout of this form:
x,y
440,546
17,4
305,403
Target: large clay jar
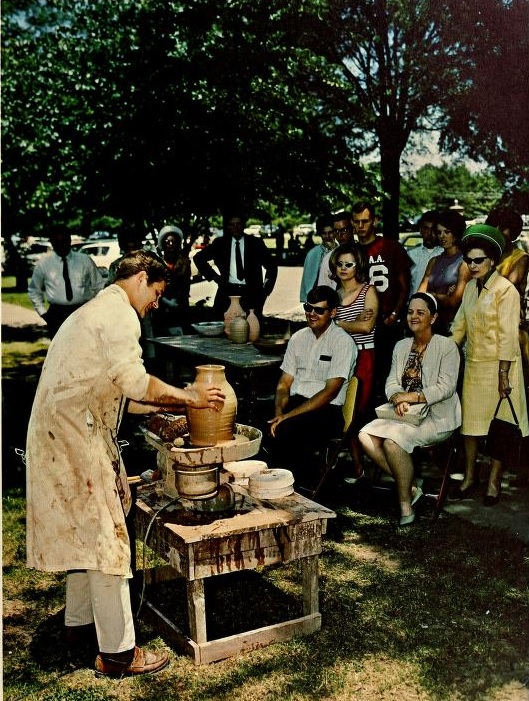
x,y
208,426
239,330
233,311
255,327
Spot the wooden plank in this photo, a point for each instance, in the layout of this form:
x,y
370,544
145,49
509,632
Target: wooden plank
x,y
179,639
281,512
222,648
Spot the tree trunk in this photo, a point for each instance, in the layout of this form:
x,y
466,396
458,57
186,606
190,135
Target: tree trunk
x,y
390,180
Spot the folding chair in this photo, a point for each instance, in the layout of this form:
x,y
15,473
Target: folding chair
x,y
337,445
453,448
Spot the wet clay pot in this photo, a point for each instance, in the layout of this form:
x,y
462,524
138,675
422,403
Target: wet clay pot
x,y
208,426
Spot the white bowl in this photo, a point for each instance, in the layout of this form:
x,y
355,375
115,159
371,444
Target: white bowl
x,y
243,469
209,328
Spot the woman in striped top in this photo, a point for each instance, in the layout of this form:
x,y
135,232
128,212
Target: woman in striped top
x,y
357,314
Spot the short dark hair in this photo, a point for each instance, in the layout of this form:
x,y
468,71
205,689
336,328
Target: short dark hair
x,y
324,293
363,204
362,267
431,215
142,261
231,212
342,215
453,221
506,218
324,221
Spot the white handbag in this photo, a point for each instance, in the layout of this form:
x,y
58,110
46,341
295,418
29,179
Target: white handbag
x,y
415,414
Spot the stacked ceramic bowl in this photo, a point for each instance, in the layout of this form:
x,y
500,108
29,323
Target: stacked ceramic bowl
x,y
241,470
271,484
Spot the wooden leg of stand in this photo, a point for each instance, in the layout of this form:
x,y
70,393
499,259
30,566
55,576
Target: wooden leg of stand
x,y
196,609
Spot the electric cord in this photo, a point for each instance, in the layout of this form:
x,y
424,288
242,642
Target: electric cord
x,y
145,539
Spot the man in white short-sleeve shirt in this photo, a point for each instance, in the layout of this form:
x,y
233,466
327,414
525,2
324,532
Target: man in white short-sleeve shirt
x,y
318,363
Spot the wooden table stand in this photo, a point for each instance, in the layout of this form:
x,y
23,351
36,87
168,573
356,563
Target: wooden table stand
x,y
272,532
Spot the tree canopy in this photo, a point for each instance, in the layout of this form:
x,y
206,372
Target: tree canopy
x,y
147,111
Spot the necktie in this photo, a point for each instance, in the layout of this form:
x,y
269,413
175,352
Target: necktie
x,y
67,283
238,261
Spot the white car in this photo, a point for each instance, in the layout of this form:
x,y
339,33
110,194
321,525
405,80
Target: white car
x,y
304,229
253,230
103,253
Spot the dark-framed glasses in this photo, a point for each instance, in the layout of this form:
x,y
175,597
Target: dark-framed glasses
x,y
343,230
317,310
478,260
343,264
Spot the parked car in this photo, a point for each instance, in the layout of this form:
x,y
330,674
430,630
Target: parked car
x,y
103,253
410,240
34,251
253,230
304,229
101,235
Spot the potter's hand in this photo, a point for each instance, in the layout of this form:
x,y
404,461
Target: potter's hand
x,y
274,423
210,398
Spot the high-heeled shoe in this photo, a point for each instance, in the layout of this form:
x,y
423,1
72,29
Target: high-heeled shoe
x,y
492,500
407,520
418,494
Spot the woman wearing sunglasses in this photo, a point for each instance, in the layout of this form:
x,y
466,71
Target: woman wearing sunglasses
x,y
488,319
356,314
446,274
424,369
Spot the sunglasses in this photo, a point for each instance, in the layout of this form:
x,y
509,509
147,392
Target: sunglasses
x,y
341,264
317,310
478,261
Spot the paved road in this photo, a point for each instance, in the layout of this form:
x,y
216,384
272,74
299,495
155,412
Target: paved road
x,y
282,303
13,315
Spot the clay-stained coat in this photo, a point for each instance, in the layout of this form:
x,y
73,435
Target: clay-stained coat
x,y
77,490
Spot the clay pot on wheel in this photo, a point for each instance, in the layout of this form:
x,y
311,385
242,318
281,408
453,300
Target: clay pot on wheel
x,y
208,426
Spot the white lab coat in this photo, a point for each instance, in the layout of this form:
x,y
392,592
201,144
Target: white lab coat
x,y
77,490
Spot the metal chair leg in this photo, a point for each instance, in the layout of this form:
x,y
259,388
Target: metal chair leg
x,y
453,456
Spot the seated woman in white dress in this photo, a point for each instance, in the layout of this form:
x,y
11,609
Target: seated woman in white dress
x,y
424,369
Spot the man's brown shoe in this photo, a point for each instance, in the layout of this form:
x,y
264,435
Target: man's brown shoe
x,y
143,662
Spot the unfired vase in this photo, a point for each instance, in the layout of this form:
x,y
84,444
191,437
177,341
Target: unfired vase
x,y
208,426
233,311
239,330
255,327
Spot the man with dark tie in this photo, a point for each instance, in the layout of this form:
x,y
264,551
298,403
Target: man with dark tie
x,y
63,278
244,266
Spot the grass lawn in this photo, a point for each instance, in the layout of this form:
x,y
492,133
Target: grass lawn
x,y
433,613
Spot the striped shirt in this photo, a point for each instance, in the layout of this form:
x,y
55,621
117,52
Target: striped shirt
x,y
349,312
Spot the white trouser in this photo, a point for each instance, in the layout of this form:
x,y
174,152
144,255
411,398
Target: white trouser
x,y
103,599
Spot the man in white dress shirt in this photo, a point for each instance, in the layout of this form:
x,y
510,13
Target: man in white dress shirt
x,y
63,278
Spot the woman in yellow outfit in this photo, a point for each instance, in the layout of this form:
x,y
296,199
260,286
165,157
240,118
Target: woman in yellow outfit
x,y
488,319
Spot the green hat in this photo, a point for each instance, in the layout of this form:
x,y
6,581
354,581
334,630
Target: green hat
x,y
486,233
